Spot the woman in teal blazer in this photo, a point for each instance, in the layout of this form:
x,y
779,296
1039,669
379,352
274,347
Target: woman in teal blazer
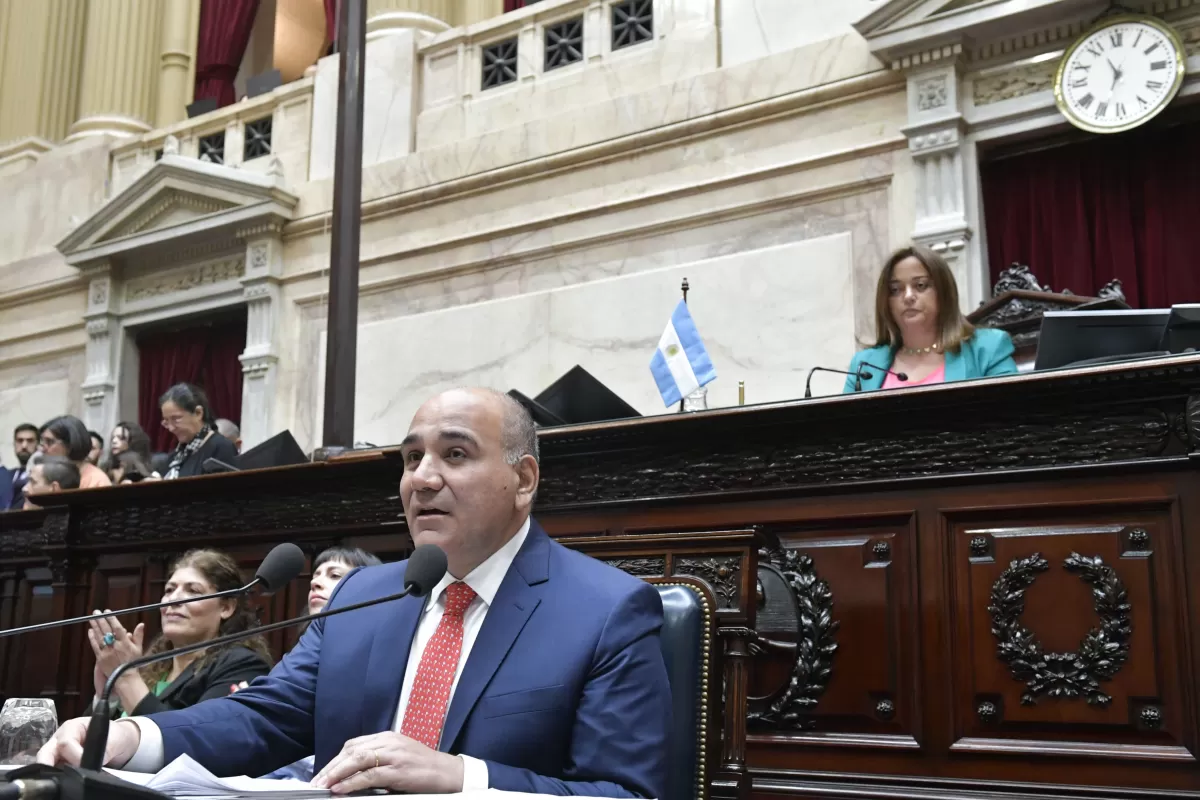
x,y
921,333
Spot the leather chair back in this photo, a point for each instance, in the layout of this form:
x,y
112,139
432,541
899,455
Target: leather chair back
x,y
686,645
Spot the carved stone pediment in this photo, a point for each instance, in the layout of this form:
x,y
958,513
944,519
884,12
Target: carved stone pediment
x,y
171,207
177,204
905,33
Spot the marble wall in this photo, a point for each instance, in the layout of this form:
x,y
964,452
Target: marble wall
x,y
508,235
33,403
766,315
751,29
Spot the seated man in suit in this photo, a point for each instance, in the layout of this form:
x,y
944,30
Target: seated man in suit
x,y
531,668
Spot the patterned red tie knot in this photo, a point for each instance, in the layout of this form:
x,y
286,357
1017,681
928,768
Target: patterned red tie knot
x,y
458,597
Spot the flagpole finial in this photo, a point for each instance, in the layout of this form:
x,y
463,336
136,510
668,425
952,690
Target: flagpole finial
x,y
684,286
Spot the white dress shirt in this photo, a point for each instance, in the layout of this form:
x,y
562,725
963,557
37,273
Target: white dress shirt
x,y
485,580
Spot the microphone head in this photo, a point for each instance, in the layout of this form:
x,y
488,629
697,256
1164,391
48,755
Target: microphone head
x,y
426,566
901,376
280,567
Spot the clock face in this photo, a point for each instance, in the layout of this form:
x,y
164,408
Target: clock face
x,y
1120,75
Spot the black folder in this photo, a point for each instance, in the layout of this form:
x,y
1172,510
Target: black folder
x,y
280,450
574,399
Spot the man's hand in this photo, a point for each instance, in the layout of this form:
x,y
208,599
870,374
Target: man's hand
x,y
67,745
391,761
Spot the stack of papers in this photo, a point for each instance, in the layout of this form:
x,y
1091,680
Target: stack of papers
x,y
183,777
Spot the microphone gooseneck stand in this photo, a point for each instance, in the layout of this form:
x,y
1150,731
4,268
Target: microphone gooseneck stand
x,y
278,569
39,782
425,568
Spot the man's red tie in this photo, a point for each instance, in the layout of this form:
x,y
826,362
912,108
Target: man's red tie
x,y
430,694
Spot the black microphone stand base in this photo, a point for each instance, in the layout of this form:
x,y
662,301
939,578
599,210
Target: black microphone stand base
x,y
83,784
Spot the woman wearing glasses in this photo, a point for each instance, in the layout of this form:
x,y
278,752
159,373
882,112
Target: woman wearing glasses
x,y
68,437
187,415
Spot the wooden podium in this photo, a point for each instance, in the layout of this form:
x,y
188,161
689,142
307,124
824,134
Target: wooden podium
x,y
988,587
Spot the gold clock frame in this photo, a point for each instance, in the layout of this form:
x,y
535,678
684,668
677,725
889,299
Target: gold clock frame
x,y
1145,19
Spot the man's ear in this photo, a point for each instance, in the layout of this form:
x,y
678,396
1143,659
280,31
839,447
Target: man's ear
x,y
55,487
528,475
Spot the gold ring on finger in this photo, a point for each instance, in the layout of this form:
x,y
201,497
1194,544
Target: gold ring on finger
x,y
376,752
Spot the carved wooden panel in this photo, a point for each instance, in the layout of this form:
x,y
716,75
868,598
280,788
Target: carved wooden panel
x,y
1067,635
843,662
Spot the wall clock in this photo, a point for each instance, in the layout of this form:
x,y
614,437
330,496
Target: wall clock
x,y
1120,74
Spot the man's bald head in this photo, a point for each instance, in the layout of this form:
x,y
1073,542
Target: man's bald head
x,y
470,473
518,432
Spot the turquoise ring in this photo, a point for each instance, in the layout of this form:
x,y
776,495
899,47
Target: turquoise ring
x,y
109,639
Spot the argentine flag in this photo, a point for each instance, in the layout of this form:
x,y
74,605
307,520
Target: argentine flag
x,y
681,364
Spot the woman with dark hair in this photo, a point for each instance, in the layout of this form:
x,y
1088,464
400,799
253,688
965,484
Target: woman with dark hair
x,y
920,330
97,450
188,416
68,437
129,436
129,439
184,680
329,568
128,467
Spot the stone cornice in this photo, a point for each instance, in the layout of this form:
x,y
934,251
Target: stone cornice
x,y
908,33
220,200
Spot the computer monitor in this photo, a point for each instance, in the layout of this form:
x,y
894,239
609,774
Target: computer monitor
x,y
1081,338
1183,329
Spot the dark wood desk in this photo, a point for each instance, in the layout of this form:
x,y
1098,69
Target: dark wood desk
x,y
986,586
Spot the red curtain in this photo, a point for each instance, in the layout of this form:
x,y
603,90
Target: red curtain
x,y
513,5
221,375
206,356
225,27
1125,206
331,12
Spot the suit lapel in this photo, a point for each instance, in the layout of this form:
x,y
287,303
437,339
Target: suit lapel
x,y
956,365
174,686
514,603
386,664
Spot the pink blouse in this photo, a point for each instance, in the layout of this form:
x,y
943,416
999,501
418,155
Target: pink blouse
x,y
937,376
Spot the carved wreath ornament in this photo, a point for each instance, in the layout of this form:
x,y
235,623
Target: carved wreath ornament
x,y
815,645
1102,652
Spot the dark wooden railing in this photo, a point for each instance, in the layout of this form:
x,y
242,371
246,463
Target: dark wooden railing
x,y
986,587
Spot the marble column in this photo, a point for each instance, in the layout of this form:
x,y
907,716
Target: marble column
x,y
260,359
40,55
386,16
120,67
176,54
947,209
102,352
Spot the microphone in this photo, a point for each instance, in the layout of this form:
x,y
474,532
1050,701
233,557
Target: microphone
x,y
858,375
900,376
278,569
425,568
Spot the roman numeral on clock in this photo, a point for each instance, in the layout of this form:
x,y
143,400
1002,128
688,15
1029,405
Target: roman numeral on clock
x,y
1120,109
1079,83
1143,103
1154,86
1116,37
1151,48
1101,109
1158,65
1086,100
1137,39
1095,48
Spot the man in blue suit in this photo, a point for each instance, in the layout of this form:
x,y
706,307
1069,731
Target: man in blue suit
x,y
537,669
25,442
